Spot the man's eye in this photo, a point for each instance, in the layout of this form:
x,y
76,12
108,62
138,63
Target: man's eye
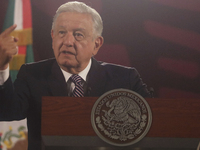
x,y
78,36
61,32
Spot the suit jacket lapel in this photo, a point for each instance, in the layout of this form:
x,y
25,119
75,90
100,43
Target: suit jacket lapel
x,y
57,82
96,79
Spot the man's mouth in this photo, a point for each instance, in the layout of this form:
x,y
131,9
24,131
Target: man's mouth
x,y
67,52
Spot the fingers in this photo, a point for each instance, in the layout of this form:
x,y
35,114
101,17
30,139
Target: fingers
x,y
8,30
7,42
8,46
15,39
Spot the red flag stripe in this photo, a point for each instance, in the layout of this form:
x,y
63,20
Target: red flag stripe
x,y
27,16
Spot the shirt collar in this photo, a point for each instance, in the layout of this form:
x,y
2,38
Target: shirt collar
x,y
82,74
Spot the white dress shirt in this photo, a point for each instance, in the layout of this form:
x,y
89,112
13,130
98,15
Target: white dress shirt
x,y
4,75
82,74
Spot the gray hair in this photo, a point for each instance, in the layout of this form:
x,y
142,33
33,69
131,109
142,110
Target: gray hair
x,y
81,7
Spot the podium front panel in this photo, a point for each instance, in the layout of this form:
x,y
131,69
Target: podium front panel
x,y
174,121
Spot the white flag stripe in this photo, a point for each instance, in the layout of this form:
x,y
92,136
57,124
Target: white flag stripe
x,y
18,15
13,132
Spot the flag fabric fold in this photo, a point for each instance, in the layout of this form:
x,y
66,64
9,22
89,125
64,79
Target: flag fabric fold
x,y
13,135
19,12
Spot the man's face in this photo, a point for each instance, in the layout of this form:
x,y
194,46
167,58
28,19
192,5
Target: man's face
x,y
73,41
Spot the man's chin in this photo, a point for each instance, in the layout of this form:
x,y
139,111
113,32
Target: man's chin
x,y
67,65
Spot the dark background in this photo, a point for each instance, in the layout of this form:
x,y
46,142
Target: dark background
x,y
160,38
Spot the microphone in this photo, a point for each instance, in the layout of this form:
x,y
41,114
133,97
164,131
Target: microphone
x,y
151,90
89,89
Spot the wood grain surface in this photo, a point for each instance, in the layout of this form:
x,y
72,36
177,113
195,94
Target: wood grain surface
x,y
72,116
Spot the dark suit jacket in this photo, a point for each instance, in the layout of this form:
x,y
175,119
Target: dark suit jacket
x,y
23,100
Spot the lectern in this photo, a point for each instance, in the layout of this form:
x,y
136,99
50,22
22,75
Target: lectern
x,y
66,124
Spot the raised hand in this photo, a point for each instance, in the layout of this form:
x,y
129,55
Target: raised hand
x,y
8,47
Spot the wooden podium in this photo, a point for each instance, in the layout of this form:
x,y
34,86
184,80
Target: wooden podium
x,y
66,122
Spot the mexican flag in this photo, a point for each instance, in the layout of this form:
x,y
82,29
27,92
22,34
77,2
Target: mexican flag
x,y
13,135
19,12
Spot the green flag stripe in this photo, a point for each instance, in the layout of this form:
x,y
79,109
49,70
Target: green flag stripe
x,y
13,74
29,54
9,18
9,21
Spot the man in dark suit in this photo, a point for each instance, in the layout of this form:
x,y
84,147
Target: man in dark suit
x,y
76,38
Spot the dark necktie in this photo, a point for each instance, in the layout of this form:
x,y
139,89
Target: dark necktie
x,y
78,90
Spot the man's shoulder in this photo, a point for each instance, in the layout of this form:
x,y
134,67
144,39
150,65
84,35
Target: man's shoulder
x,y
115,67
39,68
112,65
42,63
114,70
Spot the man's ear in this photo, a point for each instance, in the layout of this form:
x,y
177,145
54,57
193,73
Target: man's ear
x,y
52,33
98,43
52,37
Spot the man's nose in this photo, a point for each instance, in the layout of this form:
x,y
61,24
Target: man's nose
x,y
69,39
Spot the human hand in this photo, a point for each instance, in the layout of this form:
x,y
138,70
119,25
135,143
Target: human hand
x,y
8,47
